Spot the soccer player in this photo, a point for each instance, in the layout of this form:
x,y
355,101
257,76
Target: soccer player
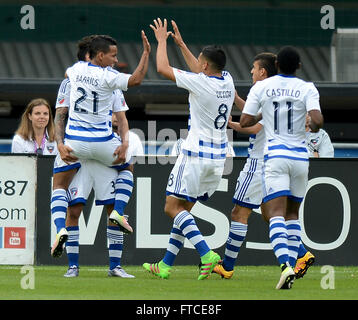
x,y
284,100
199,167
88,131
248,191
102,178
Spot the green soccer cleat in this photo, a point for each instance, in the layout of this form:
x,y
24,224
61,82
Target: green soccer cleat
x,y
208,263
159,269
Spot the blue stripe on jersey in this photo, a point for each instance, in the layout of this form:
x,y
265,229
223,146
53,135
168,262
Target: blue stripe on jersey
x,y
247,181
64,84
266,157
206,155
212,144
283,147
88,139
94,124
76,128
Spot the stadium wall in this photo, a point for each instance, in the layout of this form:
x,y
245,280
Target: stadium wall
x,y
234,24
328,215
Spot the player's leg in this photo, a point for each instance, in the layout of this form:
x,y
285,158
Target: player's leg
x,y
237,235
59,203
123,192
72,244
247,196
300,258
162,268
115,248
186,223
276,188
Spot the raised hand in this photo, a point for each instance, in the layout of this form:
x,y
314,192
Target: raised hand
x,y
176,34
146,45
160,29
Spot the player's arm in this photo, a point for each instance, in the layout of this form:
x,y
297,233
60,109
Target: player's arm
x,y
314,109
249,130
123,129
138,75
60,120
250,116
239,102
189,58
316,121
161,34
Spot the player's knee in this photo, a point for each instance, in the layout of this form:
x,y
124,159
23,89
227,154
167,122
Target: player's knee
x,y
240,214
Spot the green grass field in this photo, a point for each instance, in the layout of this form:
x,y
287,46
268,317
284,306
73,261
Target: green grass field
x,y
249,282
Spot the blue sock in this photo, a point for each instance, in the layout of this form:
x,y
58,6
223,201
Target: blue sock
x,y
124,188
59,205
301,250
186,223
293,240
278,239
72,245
176,242
115,246
237,236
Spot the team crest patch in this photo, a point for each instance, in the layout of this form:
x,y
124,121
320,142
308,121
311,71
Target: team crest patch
x,y
50,148
73,191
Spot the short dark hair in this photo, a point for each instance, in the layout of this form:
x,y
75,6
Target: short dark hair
x,y
267,60
216,56
101,43
83,47
288,60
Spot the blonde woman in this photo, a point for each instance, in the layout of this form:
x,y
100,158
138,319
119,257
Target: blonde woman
x,y
36,132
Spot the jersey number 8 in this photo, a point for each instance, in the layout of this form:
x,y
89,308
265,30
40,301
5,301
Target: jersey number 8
x,y
220,120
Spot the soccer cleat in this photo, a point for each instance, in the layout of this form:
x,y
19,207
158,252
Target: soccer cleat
x,y
120,221
208,263
72,272
287,277
303,264
58,245
219,269
119,272
159,269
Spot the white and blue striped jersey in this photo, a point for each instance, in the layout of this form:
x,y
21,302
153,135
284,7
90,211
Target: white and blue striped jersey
x,y
257,144
118,100
91,101
210,102
284,100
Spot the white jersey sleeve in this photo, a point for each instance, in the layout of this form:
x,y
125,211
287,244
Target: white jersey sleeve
x,y
188,80
116,80
119,103
63,95
312,98
252,104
